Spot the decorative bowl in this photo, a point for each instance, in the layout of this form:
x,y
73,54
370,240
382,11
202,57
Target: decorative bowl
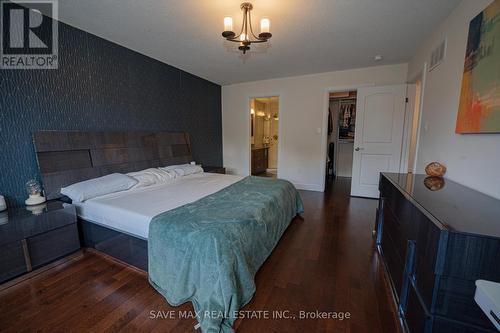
x,y
435,169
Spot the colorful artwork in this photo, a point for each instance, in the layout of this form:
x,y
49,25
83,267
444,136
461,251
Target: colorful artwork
x,y
479,110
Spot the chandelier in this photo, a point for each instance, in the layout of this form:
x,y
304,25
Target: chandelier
x,y
246,37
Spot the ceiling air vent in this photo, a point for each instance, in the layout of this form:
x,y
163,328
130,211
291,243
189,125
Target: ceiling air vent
x,y
438,55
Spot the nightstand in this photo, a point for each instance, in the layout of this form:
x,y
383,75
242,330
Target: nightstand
x,y
31,239
214,169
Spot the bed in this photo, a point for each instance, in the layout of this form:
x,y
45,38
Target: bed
x,y
201,237
131,211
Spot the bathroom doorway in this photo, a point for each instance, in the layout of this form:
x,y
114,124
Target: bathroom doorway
x,y
264,122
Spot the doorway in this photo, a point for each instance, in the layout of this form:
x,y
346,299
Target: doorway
x,y
380,130
379,136
264,139
341,130
415,91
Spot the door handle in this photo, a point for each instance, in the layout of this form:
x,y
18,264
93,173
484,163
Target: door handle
x,y
358,149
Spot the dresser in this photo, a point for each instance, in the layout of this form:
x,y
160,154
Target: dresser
x,y
32,238
436,239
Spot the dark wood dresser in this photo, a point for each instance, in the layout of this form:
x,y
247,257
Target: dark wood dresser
x,y
435,244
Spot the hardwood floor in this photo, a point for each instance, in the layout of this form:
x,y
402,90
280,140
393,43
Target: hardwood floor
x,y
326,261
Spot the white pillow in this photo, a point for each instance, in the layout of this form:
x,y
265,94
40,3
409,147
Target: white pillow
x,y
96,187
183,169
151,176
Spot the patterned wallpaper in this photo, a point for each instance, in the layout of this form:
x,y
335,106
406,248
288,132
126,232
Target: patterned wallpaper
x,y
101,86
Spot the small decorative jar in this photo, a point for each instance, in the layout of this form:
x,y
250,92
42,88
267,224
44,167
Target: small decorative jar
x,y
35,193
435,169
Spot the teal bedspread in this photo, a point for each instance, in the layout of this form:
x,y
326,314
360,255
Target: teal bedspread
x,y
209,251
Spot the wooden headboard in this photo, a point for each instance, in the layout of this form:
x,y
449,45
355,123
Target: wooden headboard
x,y
67,157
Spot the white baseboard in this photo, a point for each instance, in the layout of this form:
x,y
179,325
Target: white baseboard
x,y
308,187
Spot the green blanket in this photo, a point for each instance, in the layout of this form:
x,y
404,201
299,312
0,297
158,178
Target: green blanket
x,y
209,251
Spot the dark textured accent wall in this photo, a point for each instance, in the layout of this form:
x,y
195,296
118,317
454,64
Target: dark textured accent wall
x,y
101,86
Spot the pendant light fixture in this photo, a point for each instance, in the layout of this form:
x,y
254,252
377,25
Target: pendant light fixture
x,y
246,37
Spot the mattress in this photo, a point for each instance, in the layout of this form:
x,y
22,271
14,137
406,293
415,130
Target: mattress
x,y
131,211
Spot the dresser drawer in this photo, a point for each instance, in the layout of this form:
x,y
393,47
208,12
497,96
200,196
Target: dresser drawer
x,y
417,317
396,232
52,245
455,300
12,262
426,250
393,262
441,325
472,258
401,208
399,205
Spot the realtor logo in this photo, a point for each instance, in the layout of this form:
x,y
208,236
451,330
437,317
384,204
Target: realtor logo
x,y
29,33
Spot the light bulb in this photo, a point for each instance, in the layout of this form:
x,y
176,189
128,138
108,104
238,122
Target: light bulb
x,y
243,37
228,23
265,25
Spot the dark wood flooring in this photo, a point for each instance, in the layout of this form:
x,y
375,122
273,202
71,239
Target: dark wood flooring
x,y
326,261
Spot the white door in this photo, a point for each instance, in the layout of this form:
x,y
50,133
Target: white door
x,y
380,113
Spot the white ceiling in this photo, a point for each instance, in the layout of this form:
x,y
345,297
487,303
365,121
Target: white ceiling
x,y
309,36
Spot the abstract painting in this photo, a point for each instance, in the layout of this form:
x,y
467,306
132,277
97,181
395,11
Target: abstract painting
x,y
479,110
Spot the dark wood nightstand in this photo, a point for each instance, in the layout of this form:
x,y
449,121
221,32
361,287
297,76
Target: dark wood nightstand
x,y
31,239
214,169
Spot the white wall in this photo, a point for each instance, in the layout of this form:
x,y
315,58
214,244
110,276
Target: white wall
x,y
303,108
473,159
